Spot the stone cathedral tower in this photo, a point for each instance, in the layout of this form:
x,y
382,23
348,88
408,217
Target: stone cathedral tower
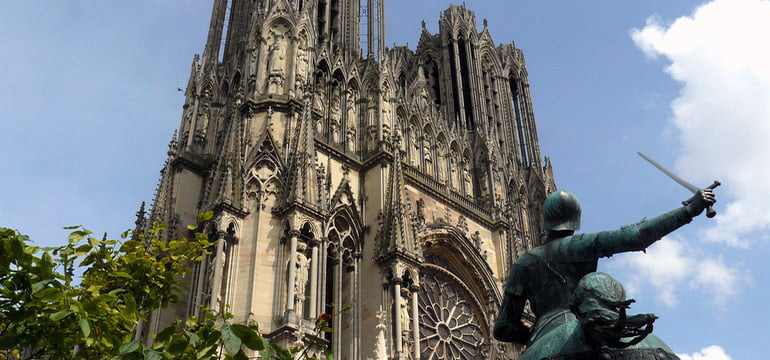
x,y
404,182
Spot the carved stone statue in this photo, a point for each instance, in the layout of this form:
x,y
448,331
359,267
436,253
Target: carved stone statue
x,y
468,181
334,125
352,119
426,151
387,113
372,138
406,326
420,204
319,99
477,241
352,137
441,162
352,109
455,178
414,157
300,283
560,277
302,62
276,54
335,117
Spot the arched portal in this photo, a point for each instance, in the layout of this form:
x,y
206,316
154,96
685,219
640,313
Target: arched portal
x,y
457,292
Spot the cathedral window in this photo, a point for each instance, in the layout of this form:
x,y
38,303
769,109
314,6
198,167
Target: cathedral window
x,y
517,102
466,83
340,283
455,90
321,20
450,326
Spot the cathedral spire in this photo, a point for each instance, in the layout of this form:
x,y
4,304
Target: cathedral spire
x,y
216,26
396,236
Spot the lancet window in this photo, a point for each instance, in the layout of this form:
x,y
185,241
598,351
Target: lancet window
x,y
517,102
341,283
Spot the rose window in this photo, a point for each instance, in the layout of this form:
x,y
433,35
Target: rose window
x,y
450,326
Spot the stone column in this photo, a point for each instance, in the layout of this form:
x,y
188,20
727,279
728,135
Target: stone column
x,y
314,279
291,297
216,283
415,322
322,269
397,315
337,318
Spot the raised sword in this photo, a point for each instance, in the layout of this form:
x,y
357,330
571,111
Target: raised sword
x,y
710,212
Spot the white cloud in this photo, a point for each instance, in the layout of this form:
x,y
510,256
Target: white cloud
x,y
671,264
713,352
720,54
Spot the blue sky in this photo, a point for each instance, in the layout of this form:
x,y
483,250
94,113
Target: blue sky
x,y
89,100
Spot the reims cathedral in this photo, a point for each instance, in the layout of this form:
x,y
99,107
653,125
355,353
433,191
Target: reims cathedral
x,y
399,183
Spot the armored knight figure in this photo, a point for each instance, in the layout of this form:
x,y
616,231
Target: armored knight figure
x,y
567,325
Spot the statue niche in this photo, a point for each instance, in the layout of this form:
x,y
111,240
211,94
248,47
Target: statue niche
x,y
414,147
441,162
427,153
303,60
335,117
300,283
275,63
352,119
467,179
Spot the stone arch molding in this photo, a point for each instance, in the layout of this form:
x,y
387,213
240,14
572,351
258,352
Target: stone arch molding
x,y
464,261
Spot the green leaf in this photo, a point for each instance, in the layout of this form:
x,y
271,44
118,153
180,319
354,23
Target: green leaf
x,y
328,354
282,352
248,336
60,315
85,327
152,355
192,227
82,250
207,351
77,235
241,356
165,334
71,227
40,285
177,344
193,338
266,351
232,342
48,294
123,274
130,304
208,215
129,348
213,337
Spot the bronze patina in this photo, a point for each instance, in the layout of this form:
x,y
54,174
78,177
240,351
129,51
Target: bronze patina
x,y
580,313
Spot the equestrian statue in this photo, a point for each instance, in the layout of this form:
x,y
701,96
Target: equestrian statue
x,y
581,313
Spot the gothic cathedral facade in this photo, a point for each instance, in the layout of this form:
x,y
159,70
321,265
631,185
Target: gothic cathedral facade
x,y
401,183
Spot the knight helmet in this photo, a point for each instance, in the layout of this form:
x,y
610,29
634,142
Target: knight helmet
x,y
561,211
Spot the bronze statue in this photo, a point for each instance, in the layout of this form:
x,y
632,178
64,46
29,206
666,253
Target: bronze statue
x,y
580,314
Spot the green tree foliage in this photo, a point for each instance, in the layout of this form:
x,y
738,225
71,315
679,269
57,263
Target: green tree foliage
x,y
46,313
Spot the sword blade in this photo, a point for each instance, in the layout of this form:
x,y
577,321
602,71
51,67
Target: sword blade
x,y
673,176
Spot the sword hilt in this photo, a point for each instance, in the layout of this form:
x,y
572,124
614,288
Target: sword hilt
x,y
710,212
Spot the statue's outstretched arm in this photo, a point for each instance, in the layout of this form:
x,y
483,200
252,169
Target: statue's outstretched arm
x,y
639,236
